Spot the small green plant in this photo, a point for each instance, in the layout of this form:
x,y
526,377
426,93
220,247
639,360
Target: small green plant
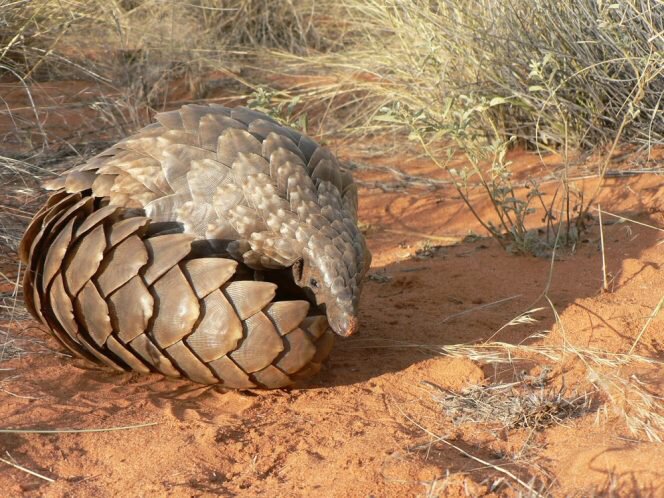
x,y
280,106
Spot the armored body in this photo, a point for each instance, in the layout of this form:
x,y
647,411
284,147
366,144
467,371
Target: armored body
x,y
214,244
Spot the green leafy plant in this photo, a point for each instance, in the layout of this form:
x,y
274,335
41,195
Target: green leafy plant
x,y
280,106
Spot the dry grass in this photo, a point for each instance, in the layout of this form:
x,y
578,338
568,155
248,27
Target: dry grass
x,y
546,72
19,197
573,74
527,403
623,394
633,401
135,52
83,37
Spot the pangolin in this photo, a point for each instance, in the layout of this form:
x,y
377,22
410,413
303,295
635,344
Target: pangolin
x,y
215,244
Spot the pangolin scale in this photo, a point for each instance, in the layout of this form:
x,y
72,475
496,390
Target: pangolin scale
x,y
215,245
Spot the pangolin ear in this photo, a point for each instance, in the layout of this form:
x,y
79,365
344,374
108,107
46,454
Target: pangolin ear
x,y
298,271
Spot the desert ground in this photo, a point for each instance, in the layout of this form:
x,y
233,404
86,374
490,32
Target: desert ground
x,y
477,370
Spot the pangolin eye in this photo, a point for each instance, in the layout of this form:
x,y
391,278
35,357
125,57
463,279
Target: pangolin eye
x,y
313,283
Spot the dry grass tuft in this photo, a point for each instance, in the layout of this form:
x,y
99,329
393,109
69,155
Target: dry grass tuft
x,y
43,39
527,403
626,396
633,401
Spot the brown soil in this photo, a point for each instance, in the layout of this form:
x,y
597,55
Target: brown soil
x,y
369,424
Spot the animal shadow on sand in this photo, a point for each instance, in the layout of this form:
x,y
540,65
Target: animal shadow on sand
x,y
467,293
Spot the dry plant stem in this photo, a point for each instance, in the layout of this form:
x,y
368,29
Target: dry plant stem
x,y
605,286
502,214
480,307
524,317
627,118
449,241
71,431
549,212
622,218
501,211
26,470
33,106
652,316
502,352
50,50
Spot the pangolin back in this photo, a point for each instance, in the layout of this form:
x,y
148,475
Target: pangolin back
x,y
171,250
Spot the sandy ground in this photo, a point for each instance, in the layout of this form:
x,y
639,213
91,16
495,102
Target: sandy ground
x,y
370,424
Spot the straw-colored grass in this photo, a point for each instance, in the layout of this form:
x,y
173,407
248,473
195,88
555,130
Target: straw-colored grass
x,y
550,73
134,52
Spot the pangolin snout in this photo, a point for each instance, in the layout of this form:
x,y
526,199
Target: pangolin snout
x,y
343,324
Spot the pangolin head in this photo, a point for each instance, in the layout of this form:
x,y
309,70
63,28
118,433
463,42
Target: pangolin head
x,y
331,271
